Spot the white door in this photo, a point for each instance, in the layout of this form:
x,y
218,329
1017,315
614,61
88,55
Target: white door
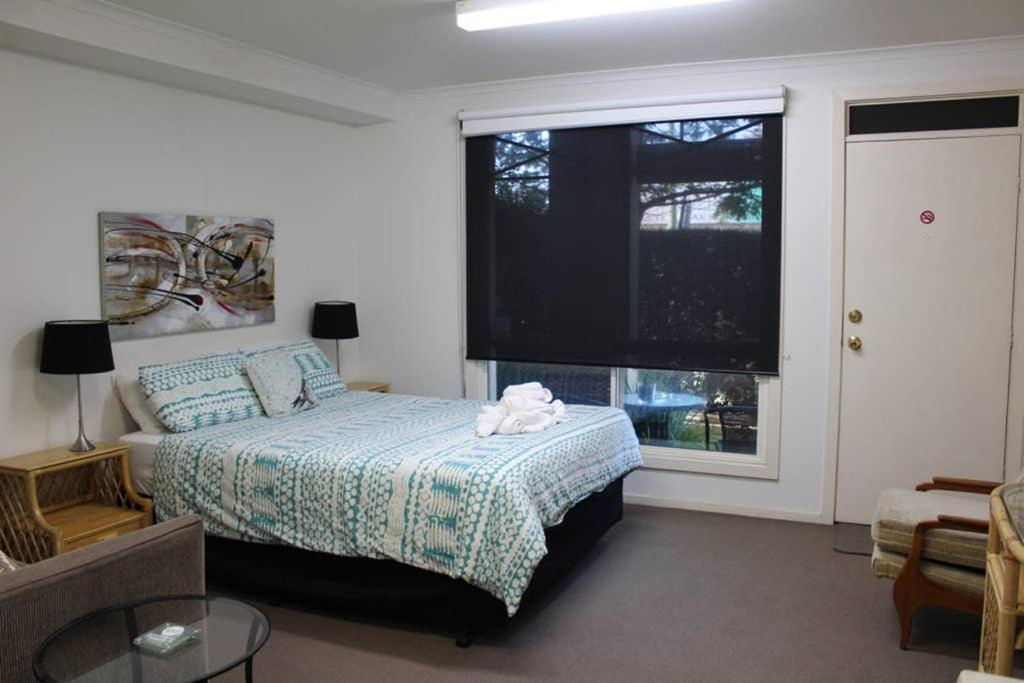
x,y
930,238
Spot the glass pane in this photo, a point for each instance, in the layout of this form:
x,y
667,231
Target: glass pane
x,y
571,383
712,411
521,169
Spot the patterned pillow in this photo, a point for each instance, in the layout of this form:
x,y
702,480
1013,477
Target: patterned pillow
x,y
320,376
6,564
279,383
204,391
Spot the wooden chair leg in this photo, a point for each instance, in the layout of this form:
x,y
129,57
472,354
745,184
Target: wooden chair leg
x,y
905,597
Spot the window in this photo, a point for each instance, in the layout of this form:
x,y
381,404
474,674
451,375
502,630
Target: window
x,y
636,266
711,411
703,411
571,383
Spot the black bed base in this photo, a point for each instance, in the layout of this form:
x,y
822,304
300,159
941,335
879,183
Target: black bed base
x,y
388,591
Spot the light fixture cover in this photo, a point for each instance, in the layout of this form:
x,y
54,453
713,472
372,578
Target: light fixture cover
x,y
481,15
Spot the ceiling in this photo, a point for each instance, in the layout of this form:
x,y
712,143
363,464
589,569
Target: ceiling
x,y
414,44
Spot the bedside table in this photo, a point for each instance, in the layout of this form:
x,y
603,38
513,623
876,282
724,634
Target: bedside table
x,y
58,500
379,387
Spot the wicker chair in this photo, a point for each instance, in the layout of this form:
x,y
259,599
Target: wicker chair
x,y
932,541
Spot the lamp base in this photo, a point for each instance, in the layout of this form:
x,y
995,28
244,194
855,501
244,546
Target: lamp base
x,y
81,444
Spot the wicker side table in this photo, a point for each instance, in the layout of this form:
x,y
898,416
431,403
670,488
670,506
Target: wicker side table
x,y
379,387
1004,593
57,500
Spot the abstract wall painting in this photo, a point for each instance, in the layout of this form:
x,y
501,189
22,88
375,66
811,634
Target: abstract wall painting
x,y
171,273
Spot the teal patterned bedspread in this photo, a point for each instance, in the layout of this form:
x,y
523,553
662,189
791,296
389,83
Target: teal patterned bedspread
x,y
398,477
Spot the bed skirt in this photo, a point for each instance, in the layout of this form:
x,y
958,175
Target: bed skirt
x,y
388,591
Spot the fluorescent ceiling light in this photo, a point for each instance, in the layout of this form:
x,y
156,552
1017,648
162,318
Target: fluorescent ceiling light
x,y
481,15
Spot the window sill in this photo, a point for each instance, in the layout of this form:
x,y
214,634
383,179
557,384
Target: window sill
x,y
704,462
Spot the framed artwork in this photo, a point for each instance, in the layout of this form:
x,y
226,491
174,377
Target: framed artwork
x,y
172,273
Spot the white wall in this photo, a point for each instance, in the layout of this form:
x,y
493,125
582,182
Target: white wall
x,y
410,270
373,215
74,142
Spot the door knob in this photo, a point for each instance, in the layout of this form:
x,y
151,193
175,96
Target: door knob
x,y
854,343
855,315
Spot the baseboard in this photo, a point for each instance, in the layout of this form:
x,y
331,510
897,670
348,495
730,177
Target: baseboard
x,y
762,513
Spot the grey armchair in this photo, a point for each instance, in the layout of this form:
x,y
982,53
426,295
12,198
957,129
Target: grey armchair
x,y
165,559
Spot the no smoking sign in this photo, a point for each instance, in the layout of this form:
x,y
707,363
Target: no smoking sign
x,y
927,217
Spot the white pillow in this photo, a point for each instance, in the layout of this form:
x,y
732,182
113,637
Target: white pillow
x,y
278,381
128,391
321,377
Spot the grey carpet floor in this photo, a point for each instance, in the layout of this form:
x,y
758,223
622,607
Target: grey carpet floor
x,y
666,596
853,538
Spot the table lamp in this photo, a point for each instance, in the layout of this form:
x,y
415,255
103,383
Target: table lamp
x,y
77,347
335,320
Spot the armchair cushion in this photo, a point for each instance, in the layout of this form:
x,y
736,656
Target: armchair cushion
x,y
971,676
887,565
900,510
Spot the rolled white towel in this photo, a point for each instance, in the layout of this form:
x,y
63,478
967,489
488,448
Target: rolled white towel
x,y
510,425
525,386
533,417
520,413
488,422
535,421
532,390
516,404
497,410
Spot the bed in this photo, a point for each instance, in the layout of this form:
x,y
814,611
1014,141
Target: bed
x,y
401,482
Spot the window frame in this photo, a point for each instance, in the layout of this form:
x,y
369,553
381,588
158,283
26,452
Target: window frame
x,y
764,464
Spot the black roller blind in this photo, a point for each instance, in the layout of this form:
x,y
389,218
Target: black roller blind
x,y
645,246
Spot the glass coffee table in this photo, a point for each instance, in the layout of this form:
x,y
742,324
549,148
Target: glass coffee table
x,y
102,646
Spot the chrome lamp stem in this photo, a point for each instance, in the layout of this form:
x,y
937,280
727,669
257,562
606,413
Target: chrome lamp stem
x,y
82,443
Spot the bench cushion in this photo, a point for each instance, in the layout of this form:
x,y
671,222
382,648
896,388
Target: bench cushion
x,y
899,511
887,565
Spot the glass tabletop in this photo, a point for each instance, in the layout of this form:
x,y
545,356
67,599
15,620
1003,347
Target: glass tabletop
x,y
1013,500
103,646
661,399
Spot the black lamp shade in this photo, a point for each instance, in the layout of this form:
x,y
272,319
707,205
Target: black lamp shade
x,y
76,347
335,320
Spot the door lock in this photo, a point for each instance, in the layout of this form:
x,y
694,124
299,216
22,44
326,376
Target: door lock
x,y
854,343
855,315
